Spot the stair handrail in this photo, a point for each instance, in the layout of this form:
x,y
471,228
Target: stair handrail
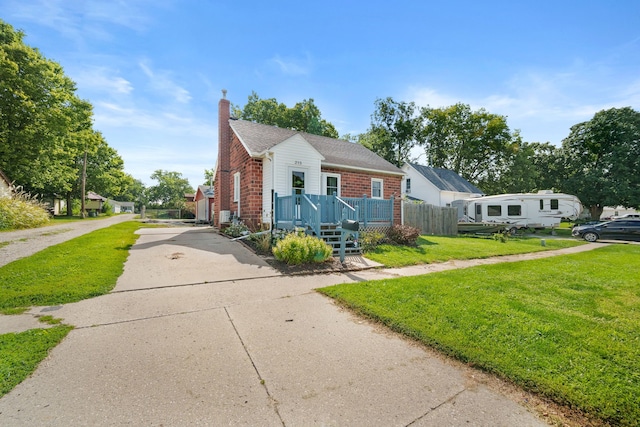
x,y
346,206
313,220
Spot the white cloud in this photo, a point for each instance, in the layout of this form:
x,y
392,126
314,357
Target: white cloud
x,y
162,83
293,67
543,104
79,18
425,96
100,79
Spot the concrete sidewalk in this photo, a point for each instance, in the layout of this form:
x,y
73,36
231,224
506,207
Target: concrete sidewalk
x,y
199,331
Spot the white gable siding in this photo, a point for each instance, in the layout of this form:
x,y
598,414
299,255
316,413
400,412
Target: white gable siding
x,y
296,154
423,189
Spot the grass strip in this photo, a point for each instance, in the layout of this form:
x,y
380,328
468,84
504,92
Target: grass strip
x,y
566,327
20,354
432,249
81,268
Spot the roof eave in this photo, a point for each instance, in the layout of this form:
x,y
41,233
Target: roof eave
x,y
355,168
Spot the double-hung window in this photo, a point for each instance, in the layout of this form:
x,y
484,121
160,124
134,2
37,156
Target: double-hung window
x,y
377,190
331,184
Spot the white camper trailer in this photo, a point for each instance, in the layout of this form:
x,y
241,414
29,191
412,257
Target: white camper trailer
x,y
525,210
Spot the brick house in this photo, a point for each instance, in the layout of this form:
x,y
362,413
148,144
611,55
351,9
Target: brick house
x,y
259,166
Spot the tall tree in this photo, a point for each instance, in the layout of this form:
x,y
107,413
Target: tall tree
x,y
305,116
602,160
105,170
476,144
135,192
393,131
43,123
208,176
170,190
534,166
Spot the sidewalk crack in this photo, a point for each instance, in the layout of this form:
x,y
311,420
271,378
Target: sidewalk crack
x,y
437,406
274,402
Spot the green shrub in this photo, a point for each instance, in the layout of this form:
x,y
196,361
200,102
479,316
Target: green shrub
x,y
107,209
236,229
404,235
501,237
369,240
296,249
22,211
262,242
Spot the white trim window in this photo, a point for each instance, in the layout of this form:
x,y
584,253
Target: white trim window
x,y
377,189
236,187
331,184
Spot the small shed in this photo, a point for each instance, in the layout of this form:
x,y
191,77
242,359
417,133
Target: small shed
x,y
204,204
94,202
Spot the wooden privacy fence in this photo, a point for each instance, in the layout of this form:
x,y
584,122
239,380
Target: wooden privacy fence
x,y
430,219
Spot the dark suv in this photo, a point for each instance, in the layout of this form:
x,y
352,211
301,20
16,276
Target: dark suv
x,y
618,229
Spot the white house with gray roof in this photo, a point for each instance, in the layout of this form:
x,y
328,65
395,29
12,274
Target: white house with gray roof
x,y
436,186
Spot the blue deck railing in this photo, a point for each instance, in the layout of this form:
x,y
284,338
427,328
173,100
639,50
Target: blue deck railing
x,y
313,210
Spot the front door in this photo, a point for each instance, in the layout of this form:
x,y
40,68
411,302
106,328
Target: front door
x,y
297,181
297,188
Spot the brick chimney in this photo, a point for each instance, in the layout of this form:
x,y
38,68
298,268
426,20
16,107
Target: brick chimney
x,y
222,185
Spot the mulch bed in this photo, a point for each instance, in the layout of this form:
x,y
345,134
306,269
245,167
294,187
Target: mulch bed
x,y
332,265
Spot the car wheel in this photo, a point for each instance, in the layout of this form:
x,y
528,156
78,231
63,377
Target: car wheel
x,y
590,237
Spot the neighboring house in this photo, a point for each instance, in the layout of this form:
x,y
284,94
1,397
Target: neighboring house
x,y
263,171
6,187
436,186
121,207
55,204
204,204
94,202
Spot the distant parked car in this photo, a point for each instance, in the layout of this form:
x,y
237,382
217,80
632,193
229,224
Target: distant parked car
x,y
618,229
627,216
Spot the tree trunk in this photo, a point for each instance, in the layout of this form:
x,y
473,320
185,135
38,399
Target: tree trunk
x,y
595,211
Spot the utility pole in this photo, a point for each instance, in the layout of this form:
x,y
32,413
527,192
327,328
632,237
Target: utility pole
x,y
83,196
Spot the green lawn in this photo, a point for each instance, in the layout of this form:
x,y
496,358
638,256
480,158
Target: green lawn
x,y
567,327
21,353
440,249
80,268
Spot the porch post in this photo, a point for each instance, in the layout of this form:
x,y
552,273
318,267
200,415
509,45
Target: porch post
x,y
392,210
366,209
274,208
318,219
293,208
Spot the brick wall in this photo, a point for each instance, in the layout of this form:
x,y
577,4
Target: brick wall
x,y
250,184
221,180
358,183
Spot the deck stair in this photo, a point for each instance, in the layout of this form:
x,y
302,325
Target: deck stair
x,y
331,234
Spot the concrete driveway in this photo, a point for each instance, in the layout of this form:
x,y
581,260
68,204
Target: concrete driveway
x,y
200,331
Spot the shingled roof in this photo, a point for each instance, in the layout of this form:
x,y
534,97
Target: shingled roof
x,y
446,180
258,139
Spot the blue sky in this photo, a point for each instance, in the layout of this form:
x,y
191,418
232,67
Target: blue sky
x,y
154,70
